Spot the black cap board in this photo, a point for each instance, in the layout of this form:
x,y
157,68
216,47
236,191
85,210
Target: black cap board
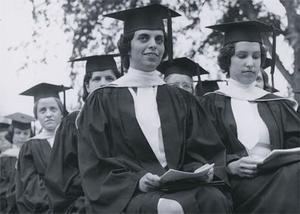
x,y
98,62
148,17
44,90
21,120
182,65
242,31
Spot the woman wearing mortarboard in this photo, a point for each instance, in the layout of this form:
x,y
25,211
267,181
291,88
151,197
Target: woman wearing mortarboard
x,y
180,72
252,122
62,177
31,194
136,128
18,133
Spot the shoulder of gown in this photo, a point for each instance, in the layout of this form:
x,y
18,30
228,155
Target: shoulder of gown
x,y
62,177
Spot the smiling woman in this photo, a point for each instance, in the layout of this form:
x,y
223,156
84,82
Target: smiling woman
x,y
134,129
147,49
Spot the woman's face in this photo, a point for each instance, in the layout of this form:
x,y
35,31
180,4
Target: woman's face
x,y
147,49
99,79
181,81
245,63
48,113
20,136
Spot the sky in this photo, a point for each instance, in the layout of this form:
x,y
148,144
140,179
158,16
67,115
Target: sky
x,y
16,26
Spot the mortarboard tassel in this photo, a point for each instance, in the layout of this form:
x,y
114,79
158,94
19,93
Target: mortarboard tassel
x,y
170,37
64,98
273,57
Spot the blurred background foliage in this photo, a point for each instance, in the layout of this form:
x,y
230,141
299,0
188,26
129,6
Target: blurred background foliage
x,y
90,33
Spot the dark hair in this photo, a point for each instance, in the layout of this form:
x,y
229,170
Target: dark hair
x,y
10,133
58,101
226,52
124,47
87,78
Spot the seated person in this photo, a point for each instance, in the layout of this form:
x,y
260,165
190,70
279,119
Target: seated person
x,y
251,123
136,128
63,180
180,72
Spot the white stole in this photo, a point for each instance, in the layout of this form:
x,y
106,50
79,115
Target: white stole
x,y
146,113
138,78
236,90
251,129
49,136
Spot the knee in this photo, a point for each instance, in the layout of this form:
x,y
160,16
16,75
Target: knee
x,y
166,206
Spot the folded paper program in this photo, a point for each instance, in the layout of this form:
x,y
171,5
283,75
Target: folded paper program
x,y
278,154
176,175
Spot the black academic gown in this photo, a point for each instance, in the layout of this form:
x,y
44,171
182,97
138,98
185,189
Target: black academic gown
x,y
7,173
31,194
276,188
114,154
62,178
11,191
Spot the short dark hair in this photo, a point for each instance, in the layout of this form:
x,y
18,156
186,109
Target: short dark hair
x,y
124,47
87,78
10,133
226,52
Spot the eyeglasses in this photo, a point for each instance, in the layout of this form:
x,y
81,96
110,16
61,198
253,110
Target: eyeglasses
x,y
184,85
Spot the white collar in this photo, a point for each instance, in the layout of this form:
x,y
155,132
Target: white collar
x,y
236,90
138,78
49,136
11,152
44,134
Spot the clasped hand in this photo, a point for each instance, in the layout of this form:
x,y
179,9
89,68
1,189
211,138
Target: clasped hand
x,y
244,167
149,182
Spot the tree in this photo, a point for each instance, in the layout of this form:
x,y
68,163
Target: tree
x,y
292,34
91,33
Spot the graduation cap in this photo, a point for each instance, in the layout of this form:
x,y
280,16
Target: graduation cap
x,y
148,17
20,120
248,31
4,124
98,62
44,90
182,65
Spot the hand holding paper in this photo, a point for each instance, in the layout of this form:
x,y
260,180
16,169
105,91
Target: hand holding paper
x,y
204,173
